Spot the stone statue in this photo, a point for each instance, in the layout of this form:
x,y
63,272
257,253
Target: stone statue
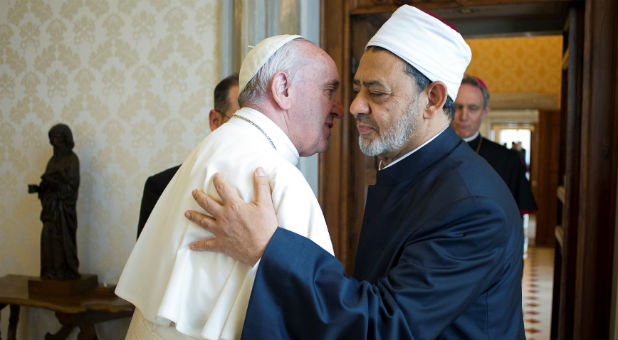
x,y
58,194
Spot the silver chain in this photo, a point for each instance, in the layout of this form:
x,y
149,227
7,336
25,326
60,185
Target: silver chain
x,y
259,128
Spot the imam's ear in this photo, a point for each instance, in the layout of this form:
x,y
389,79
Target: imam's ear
x,y
279,87
436,97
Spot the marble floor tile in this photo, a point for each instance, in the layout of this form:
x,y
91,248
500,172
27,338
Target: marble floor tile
x,y
537,291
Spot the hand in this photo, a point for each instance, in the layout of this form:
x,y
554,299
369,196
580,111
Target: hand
x,y
242,230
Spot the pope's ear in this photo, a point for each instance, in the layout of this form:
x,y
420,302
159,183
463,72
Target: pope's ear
x,y
279,87
436,97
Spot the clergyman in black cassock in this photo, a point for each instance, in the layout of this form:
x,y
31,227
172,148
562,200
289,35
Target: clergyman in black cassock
x,y
471,107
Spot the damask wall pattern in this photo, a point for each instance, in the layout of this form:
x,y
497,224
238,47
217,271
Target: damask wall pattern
x,y
132,78
518,64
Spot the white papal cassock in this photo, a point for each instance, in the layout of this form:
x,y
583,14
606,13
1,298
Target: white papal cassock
x,y
178,292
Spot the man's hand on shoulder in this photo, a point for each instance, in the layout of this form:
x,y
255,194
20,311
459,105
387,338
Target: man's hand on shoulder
x,y
242,230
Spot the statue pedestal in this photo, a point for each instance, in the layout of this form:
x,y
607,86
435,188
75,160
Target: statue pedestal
x,y
81,311
61,288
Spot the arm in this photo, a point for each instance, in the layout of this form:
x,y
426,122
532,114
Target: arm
x,y
149,199
242,230
435,279
519,185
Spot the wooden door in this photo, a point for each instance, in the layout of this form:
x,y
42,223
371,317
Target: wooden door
x,y
567,195
547,176
595,262
588,140
345,172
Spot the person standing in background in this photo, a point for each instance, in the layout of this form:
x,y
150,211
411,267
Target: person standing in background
x,y
471,107
226,103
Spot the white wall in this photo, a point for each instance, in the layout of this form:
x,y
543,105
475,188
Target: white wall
x,y
134,80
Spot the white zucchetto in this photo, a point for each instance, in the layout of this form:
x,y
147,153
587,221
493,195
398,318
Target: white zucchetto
x,y
259,55
425,42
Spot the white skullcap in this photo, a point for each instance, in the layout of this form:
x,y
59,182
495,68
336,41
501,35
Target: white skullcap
x,y
259,55
425,42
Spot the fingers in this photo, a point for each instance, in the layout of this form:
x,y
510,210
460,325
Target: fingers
x,y
224,189
200,219
206,202
261,187
204,245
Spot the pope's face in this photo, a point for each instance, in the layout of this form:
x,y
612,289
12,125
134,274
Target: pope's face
x,y
469,111
316,103
385,106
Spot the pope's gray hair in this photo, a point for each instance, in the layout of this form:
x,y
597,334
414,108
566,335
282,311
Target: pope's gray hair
x,y
285,59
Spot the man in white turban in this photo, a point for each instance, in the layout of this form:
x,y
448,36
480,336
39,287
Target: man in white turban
x,y
287,88
440,251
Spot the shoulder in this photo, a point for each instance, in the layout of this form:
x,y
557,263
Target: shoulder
x,y
500,150
474,174
167,172
162,178
70,157
288,177
467,190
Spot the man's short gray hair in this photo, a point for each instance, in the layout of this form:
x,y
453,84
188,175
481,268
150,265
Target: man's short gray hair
x,y
285,59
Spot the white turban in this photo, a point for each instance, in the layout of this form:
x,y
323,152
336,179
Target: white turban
x,y
423,41
259,55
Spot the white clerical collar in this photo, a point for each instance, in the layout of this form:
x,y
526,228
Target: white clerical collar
x,y
272,133
471,138
413,151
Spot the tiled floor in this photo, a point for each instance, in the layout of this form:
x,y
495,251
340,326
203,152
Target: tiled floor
x,y
537,292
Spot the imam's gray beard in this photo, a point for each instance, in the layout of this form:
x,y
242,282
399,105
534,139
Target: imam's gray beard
x,y
393,138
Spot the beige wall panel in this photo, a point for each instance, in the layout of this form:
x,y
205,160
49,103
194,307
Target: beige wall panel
x,y
133,80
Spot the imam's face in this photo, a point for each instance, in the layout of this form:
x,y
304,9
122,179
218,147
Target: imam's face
x,y
385,104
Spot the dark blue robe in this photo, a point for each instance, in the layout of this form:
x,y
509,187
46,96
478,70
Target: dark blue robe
x,y
439,256
509,166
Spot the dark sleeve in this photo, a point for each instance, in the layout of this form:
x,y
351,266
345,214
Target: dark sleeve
x,y
149,199
519,185
154,187
301,291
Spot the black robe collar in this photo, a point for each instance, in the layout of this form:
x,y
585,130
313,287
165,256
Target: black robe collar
x,y
411,166
475,142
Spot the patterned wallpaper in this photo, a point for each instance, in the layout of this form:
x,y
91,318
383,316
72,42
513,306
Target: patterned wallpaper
x,y
133,79
518,65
